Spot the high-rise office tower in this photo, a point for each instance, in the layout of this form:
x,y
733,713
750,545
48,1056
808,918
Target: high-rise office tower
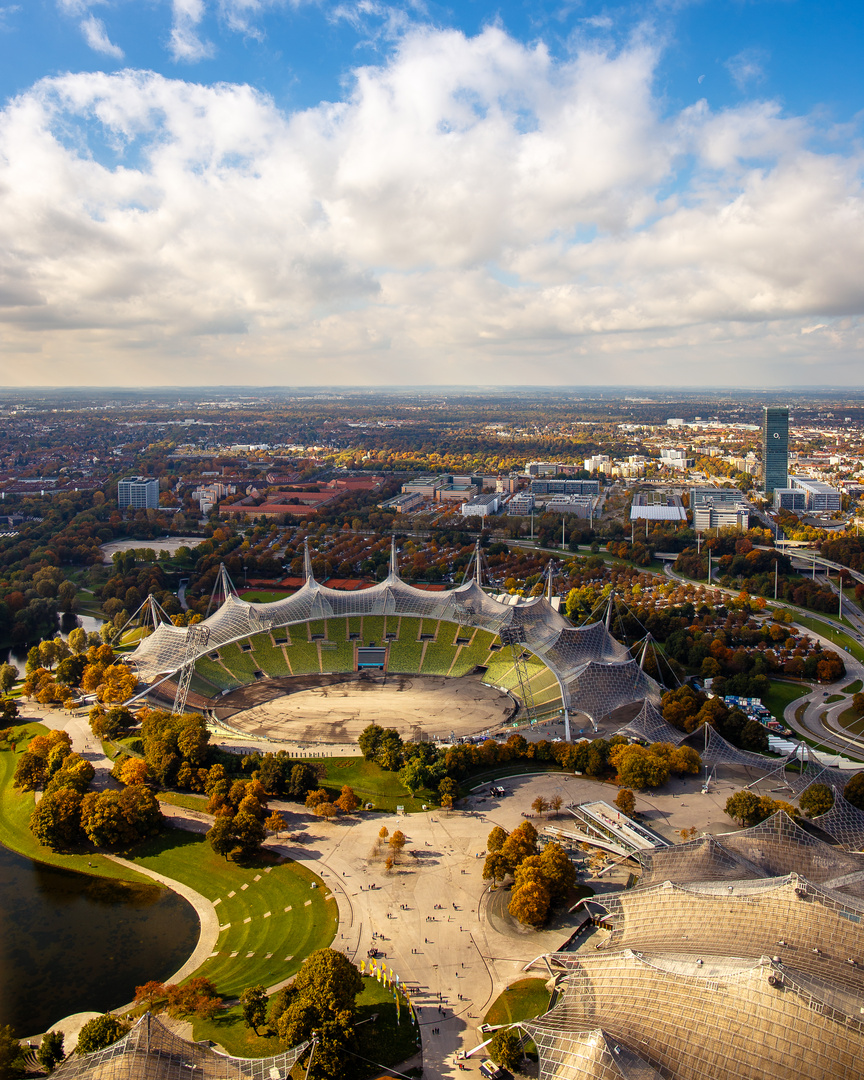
x,y
775,447
140,492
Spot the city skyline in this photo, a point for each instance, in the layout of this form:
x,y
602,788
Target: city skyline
x,y
261,193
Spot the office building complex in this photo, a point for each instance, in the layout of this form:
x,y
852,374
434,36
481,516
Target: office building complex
x,y
775,447
139,492
818,498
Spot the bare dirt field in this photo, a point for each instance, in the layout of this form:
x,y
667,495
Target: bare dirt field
x,y
336,708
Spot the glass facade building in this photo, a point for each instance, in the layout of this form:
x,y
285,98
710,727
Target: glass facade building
x,y
775,447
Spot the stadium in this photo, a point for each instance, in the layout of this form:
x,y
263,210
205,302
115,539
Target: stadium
x,y
474,661
736,956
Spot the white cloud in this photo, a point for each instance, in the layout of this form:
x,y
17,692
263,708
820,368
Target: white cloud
x,y
473,209
96,37
186,43
747,67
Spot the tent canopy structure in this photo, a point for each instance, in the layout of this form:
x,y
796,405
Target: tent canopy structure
x,y
595,672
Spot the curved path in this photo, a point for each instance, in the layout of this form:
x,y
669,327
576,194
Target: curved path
x,y
206,916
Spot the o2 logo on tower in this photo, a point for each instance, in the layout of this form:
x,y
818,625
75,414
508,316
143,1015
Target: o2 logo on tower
x,y
776,434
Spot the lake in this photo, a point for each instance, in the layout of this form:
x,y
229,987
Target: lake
x,y
71,943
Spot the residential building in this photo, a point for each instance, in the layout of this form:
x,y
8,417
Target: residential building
x,y
139,492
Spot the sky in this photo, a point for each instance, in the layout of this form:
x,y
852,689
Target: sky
x,y
328,192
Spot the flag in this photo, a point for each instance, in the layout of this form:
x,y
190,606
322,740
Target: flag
x,y
362,967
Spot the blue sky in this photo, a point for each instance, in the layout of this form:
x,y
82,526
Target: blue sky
x,y
273,191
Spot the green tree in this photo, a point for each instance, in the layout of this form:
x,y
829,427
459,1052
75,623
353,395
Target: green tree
x,y
743,807
100,1032
854,790
8,675
505,1048
56,820
414,775
50,1050
369,740
322,1000
249,832
817,799
253,1001
221,836
10,1054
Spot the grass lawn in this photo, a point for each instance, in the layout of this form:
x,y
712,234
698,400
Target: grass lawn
x,y
831,699
263,596
262,942
852,720
372,784
188,802
781,694
15,810
853,687
522,1000
511,768
841,640
385,1042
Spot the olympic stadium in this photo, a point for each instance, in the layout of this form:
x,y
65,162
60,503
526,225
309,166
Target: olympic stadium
x,y
736,956
246,657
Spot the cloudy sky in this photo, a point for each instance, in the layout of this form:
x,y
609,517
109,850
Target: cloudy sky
x,y
300,192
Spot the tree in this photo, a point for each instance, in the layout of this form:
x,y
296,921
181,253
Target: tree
x,y
558,871
816,799
254,1003
540,805
743,807
302,780
50,1050
221,836
134,771
326,810
100,1032
8,676
505,1048
854,790
117,684
448,786
10,1053
347,801
150,993
639,766
626,802
684,759
520,844
496,838
530,903
495,867
56,820
77,640
275,822
555,804
249,832
447,802
397,842
315,798
369,739
322,999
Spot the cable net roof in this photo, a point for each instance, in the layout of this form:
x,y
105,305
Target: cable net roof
x,y
843,821
721,752
593,1055
819,928
724,1018
600,689
152,1052
595,671
650,726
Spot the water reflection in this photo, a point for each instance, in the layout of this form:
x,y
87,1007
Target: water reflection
x,y
70,942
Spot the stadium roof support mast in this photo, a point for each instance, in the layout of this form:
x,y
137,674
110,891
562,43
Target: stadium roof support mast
x,y
223,587
150,613
514,636
197,637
